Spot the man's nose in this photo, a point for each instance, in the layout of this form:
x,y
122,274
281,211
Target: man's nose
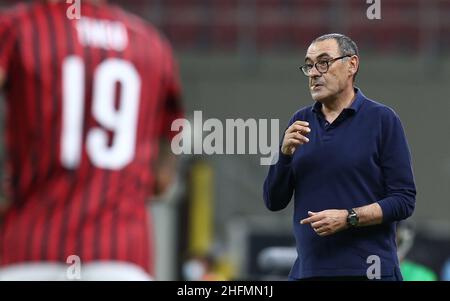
x,y
313,72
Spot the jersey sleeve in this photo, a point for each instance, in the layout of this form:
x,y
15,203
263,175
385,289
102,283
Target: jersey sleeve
x,y
7,41
172,108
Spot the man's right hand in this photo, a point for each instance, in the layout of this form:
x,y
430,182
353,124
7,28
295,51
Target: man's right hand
x,y
294,137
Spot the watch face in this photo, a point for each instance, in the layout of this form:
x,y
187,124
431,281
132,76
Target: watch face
x,y
352,219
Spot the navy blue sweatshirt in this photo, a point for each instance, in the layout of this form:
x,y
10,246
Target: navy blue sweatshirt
x,y
359,159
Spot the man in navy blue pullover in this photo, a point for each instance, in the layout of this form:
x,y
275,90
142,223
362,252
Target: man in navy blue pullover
x,y
346,161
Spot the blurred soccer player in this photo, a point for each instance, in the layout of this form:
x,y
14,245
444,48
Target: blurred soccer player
x,y
88,101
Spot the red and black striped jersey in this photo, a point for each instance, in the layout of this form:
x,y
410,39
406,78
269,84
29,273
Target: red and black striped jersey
x,y
87,101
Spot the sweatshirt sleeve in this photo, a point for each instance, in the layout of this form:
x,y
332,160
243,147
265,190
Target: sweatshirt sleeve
x,y
279,183
399,202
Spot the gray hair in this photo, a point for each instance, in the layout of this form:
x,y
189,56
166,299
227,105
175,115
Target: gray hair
x,y
346,45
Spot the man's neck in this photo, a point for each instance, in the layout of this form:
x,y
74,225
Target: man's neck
x,y
334,107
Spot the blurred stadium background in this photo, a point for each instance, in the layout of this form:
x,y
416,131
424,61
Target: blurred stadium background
x,y
239,59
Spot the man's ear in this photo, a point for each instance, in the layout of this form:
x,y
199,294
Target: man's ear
x,y
354,65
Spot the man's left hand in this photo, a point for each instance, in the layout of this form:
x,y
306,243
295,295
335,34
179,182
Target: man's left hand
x,y
327,222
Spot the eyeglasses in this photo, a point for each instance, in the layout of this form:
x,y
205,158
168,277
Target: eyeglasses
x,y
321,66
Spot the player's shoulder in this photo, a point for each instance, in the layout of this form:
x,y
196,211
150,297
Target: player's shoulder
x,y
138,25
15,12
377,108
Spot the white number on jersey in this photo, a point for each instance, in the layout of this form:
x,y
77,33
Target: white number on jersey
x,y
122,122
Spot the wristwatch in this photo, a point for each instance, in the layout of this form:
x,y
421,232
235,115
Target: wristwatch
x,y
352,218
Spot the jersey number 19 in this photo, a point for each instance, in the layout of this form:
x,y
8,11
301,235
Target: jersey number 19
x,y
122,121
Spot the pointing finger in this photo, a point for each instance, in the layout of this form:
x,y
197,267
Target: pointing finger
x,y
311,219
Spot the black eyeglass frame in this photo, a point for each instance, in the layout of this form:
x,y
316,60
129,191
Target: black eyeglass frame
x,y
328,63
